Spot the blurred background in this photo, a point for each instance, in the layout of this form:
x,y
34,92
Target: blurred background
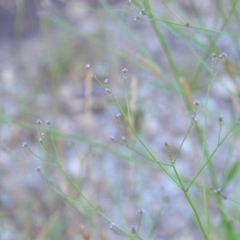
x,y
45,47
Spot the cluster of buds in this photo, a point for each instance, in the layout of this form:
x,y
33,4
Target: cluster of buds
x,y
142,12
42,137
123,140
42,134
89,69
129,3
107,87
124,71
168,151
194,116
216,59
219,192
39,122
132,228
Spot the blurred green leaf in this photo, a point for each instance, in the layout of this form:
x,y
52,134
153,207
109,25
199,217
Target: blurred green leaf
x,y
231,173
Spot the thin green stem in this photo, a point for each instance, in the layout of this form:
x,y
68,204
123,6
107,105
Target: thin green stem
x,y
148,158
211,156
178,177
181,145
143,144
191,203
162,41
219,134
196,215
213,41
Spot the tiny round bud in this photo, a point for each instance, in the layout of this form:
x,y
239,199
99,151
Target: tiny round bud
x,y
39,121
218,190
38,169
112,137
106,81
166,144
118,115
214,61
88,66
137,18
132,229
142,12
24,144
125,70
109,90
48,122
196,103
112,225
195,117
220,119
40,140
141,211
223,55
42,135
123,139
214,55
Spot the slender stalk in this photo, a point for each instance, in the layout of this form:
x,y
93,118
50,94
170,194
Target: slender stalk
x,y
196,215
161,40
